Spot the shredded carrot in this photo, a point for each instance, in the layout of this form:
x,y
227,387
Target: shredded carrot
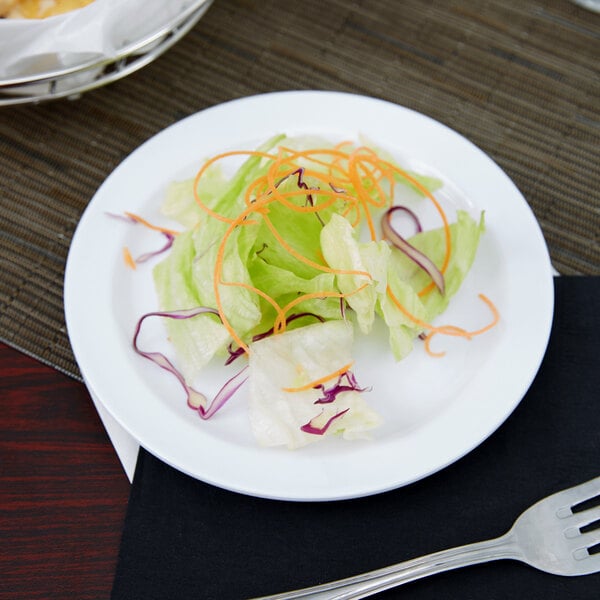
x,y
369,179
128,258
450,330
428,347
210,162
447,329
280,312
149,225
423,324
495,314
334,165
219,264
358,179
307,261
317,382
217,276
282,197
270,193
447,233
281,318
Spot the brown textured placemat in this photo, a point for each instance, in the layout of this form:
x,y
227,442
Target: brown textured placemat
x,y
520,78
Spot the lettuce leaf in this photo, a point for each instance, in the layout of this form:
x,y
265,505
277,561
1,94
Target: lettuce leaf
x,y
406,279
293,359
196,340
180,203
342,251
184,279
465,233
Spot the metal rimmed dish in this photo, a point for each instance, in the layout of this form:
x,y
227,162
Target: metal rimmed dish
x,y
74,80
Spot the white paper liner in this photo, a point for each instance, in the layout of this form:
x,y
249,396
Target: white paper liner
x,y
99,31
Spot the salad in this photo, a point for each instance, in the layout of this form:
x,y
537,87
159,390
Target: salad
x,y
277,268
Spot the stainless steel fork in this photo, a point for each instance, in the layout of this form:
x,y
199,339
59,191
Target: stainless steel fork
x,y
553,535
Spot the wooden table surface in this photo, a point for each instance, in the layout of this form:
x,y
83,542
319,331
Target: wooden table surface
x,y
63,493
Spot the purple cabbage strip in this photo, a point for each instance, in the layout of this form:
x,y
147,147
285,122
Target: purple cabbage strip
x,y
303,186
195,399
331,393
233,354
148,255
122,218
336,189
310,428
420,259
343,308
407,211
226,392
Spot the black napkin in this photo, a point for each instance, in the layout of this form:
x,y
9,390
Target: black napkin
x,y
186,539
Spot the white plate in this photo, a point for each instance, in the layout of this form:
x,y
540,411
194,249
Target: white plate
x,y
435,410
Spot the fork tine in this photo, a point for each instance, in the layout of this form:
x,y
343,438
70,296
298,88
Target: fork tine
x,y
591,538
585,517
595,562
582,492
587,564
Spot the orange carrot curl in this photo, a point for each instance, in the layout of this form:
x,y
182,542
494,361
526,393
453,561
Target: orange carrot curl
x,y
457,331
355,180
149,225
129,261
321,380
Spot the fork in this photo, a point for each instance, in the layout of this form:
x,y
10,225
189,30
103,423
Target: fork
x,y
559,534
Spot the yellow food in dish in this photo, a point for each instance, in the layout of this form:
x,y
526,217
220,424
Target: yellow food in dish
x,y
38,9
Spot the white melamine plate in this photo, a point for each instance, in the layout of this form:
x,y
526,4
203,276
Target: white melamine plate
x,y
435,410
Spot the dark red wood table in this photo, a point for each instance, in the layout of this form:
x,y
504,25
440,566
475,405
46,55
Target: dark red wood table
x,y
63,492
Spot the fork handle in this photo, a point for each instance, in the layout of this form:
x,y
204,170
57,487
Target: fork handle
x,y
373,582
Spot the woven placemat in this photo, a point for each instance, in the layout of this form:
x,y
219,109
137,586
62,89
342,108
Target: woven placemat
x,y
519,78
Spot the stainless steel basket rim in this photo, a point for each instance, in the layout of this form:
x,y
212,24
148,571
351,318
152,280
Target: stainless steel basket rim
x,y
190,15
